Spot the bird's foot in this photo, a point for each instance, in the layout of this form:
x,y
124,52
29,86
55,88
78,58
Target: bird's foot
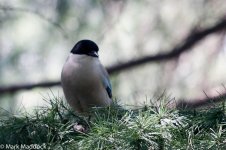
x,y
79,128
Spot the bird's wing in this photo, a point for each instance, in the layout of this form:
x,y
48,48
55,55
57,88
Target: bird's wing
x,y
106,82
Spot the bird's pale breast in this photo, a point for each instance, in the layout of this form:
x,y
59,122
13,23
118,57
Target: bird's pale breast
x,y
81,82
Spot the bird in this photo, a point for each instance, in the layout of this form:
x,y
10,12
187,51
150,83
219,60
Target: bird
x,y
84,80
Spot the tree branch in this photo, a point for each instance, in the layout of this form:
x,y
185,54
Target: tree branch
x,y
38,14
15,88
200,102
188,43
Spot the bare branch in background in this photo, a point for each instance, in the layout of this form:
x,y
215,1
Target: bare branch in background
x,y
16,88
186,45
36,13
192,39
194,103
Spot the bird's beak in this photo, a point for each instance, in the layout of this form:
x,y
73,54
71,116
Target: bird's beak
x,y
93,53
96,54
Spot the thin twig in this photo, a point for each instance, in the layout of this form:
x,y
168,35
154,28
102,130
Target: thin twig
x,y
192,39
36,13
193,103
188,43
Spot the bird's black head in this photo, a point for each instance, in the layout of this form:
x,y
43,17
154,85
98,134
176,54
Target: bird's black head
x,y
86,47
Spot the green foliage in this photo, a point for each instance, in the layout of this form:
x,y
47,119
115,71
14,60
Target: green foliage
x,y
150,127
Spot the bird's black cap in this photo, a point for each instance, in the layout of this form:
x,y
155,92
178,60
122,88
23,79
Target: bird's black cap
x,y
86,47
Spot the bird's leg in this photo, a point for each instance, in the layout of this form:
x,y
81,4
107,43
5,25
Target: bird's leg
x,y
82,128
79,128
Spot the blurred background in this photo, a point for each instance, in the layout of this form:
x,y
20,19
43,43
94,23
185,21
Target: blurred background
x,y
37,36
